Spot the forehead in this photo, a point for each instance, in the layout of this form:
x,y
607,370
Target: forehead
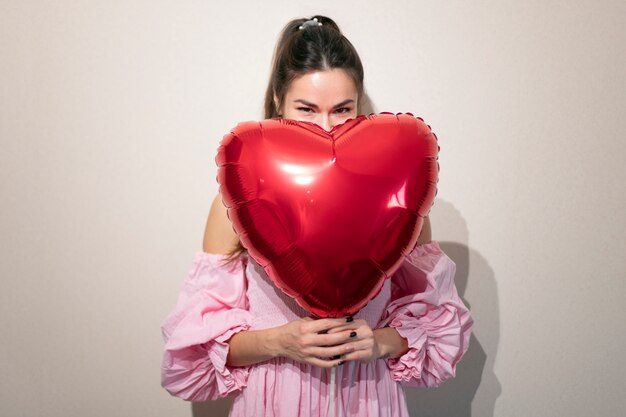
x,y
322,86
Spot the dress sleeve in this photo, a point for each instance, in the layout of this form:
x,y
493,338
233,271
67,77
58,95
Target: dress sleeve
x,y
426,310
212,306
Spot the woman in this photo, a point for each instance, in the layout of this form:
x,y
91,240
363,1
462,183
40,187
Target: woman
x,y
234,333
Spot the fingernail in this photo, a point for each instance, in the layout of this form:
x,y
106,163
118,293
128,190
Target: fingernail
x,y
336,357
341,363
353,334
349,319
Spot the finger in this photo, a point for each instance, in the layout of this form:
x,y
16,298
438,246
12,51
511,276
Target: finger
x,y
365,356
330,352
343,328
324,363
350,324
341,323
356,355
349,334
324,325
360,350
334,339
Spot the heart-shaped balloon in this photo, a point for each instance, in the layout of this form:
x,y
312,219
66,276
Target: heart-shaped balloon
x,y
329,214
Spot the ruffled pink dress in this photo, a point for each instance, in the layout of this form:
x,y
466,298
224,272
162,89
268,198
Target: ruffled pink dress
x,y
420,300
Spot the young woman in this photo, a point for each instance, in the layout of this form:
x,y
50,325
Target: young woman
x,y
234,333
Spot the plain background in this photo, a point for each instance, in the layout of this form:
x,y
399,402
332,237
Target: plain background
x,y
110,116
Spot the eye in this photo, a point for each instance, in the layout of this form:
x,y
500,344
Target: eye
x,y
347,110
304,109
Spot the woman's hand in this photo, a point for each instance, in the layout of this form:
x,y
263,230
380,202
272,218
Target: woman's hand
x,y
328,342
322,342
363,346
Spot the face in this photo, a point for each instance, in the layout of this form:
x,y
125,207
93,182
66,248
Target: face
x,y
326,98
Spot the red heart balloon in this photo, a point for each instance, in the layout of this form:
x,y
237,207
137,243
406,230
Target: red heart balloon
x,y
329,215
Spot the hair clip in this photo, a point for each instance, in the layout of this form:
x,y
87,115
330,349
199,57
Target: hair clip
x,y
310,22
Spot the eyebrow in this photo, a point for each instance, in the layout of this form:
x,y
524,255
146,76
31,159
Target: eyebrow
x,y
315,106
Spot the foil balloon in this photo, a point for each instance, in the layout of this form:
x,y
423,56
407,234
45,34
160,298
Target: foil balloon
x,y
329,215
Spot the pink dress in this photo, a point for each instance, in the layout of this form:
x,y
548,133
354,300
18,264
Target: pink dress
x,y
420,300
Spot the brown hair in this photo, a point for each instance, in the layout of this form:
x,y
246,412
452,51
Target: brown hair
x,y
300,51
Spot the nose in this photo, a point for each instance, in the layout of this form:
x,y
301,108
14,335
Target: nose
x,y
324,121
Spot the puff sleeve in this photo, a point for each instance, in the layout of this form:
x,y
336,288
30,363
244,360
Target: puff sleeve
x,y
212,306
425,309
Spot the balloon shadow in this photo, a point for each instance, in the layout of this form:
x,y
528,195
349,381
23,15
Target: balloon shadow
x,y
475,386
215,408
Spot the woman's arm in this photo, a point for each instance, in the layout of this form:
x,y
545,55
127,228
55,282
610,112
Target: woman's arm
x,y
252,346
427,310
392,345
219,236
211,307
298,339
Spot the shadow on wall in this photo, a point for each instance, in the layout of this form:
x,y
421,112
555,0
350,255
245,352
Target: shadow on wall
x,y
457,396
475,388
219,407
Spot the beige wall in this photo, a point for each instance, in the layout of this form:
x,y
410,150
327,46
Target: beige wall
x,y
110,115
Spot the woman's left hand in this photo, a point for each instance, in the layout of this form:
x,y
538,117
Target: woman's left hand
x,y
360,343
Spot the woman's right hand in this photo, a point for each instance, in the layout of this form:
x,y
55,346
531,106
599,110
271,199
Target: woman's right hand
x,y
306,340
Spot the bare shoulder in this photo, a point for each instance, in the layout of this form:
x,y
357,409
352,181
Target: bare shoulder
x,y
426,233
219,236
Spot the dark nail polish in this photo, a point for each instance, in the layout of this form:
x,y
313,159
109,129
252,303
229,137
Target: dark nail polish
x,y
349,319
341,363
336,357
353,334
